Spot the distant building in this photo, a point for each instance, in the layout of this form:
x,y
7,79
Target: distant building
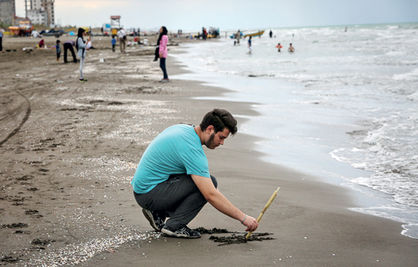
x,y
40,11
7,11
37,17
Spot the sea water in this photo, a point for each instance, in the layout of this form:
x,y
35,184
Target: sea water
x,y
342,107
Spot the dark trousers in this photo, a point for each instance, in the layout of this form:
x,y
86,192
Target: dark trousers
x,y
1,43
177,198
68,46
163,68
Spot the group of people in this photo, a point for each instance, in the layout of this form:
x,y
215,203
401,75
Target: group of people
x,y
83,45
291,48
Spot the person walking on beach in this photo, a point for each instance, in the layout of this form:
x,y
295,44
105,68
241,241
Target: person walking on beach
x,y
162,52
291,49
1,39
122,40
82,46
271,34
173,180
68,45
58,49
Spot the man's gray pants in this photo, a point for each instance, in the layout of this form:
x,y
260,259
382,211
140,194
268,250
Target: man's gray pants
x,y
177,198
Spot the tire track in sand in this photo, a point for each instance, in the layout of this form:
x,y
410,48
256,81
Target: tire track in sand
x,y
25,118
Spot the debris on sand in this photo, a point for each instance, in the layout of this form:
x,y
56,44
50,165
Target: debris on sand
x,y
14,225
234,238
240,238
202,231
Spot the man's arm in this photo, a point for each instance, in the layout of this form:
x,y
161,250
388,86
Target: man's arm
x,y
221,203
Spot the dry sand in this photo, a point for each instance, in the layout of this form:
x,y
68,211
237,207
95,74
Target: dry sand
x,y
69,150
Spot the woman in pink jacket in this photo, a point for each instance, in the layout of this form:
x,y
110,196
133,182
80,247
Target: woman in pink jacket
x,y
162,43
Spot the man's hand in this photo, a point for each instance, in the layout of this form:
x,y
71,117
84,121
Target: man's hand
x,y
251,223
221,203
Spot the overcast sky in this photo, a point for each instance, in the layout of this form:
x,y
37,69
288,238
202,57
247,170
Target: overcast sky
x,y
231,14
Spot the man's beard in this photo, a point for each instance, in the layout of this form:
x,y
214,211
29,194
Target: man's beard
x,y
210,143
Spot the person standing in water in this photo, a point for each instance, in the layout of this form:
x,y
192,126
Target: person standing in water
x,y
291,49
279,46
249,45
238,36
162,50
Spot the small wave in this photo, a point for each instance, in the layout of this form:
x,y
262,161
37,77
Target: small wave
x,y
409,76
260,75
413,97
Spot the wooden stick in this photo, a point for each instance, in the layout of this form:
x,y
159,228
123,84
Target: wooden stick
x,y
273,196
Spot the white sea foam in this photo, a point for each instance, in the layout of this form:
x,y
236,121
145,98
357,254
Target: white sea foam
x,y
409,76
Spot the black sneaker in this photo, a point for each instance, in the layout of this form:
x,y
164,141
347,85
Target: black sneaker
x,y
183,232
154,219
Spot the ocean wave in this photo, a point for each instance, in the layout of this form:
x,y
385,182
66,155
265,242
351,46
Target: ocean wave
x,y
386,148
408,76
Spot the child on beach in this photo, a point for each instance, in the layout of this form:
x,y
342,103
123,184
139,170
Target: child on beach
x,y
113,43
41,43
58,49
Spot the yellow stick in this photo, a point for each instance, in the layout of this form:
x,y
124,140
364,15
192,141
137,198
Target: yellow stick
x,y
264,209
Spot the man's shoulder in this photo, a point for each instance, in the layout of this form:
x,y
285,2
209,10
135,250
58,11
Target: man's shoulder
x,y
180,133
179,129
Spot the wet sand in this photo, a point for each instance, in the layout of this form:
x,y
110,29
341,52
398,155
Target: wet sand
x,y
69,150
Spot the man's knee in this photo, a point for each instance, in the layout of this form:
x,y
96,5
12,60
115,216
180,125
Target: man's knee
x,y
215,183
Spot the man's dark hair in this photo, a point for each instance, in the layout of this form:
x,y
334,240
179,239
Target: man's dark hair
x,y
220,119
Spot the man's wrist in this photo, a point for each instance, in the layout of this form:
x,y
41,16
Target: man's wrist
x,y
243,219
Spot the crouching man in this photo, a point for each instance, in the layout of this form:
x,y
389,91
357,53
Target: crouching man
x,y
172,182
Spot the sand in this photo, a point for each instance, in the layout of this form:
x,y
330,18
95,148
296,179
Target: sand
x,y
69,150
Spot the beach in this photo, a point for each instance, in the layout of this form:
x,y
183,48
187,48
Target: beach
x,y
71,149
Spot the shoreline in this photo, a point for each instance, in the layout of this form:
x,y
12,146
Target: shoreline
x,y
100,130
315,157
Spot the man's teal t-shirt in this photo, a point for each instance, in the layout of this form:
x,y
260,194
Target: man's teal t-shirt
x,y
174,151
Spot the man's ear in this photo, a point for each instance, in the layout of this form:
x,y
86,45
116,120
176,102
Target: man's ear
x,y
210,128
